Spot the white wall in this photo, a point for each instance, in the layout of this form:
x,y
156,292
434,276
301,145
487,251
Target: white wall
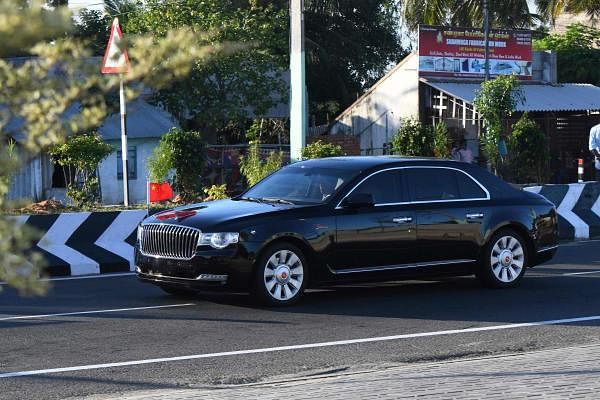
x,y
375,117
112,188
27,182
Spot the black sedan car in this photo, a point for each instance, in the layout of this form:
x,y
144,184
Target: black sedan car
x,y
350,219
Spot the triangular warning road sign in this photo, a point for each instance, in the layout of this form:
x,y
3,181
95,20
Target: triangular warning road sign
x,y
116,61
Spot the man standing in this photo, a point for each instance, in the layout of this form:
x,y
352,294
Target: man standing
x,y
595,147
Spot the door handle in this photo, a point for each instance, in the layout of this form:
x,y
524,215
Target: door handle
x,y
402,220
474,215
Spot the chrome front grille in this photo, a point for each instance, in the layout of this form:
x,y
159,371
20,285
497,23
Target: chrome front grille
x,y
169,241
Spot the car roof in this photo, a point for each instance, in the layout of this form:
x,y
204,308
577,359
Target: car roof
x,y
496,186
366,162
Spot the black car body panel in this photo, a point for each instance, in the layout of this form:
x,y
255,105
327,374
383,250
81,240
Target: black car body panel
x,y
390,240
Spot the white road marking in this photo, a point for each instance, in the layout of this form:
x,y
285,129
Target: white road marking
x,y
298,347
93,312
74,278
582,273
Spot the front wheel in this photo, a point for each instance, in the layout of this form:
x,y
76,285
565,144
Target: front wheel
x,y
504,260
280,275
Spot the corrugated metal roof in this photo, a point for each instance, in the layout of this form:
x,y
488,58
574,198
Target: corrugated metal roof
x,y
538,97
143,121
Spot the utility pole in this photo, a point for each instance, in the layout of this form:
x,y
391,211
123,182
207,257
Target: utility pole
x,y
298,95
486,38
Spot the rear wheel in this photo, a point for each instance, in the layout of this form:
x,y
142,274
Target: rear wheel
x,y
504,260
280,276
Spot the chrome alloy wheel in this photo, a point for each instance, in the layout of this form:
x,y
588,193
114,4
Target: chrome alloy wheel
x,y
507,259
283,275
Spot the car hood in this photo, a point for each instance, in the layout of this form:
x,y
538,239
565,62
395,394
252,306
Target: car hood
x,y
216,214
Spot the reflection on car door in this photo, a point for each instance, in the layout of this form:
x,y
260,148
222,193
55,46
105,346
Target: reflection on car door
x,y
378,237
449,208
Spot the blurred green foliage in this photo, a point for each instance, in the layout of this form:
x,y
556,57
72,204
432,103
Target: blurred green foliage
x,y
319,149
58,92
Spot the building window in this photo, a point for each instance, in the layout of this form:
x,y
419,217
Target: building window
x,y
131,163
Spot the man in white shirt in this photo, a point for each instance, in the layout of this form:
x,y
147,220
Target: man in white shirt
x,y
595,146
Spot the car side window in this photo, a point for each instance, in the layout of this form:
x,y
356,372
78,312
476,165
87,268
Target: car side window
x,y
439,184
385,187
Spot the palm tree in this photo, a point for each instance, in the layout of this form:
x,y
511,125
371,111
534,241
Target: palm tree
x,y
503,14
468,13
553,8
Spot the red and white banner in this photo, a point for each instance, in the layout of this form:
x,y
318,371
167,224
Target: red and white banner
x,y
459,52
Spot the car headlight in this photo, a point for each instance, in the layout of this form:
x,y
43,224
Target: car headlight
x,y
219,240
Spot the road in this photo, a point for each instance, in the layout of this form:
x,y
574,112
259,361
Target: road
x,y
117,335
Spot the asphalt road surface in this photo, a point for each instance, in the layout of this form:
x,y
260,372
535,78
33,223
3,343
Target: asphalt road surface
x,y
108,335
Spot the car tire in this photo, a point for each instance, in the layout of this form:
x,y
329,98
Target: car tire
x,y
280,275
504,260
178,292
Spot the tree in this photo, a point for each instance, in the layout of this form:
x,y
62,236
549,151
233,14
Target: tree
x,y
93,26
495,100
254,168
551,9
61,78
349,46
232,86
503,14
319,149
529,152
57,3
182,151
468,13
414,139
578,53
80,156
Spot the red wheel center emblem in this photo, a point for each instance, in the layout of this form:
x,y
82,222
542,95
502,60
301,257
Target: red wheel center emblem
x,y
283,275
507,259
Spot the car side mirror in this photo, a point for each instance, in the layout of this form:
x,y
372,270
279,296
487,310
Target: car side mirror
x,y
358,200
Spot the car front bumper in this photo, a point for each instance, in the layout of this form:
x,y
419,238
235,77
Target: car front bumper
x,y
228,269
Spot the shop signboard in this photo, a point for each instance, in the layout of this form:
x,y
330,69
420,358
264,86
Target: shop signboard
x,y
459,52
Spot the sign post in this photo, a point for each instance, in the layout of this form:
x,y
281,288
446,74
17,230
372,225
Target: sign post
x,y
116,61
298,96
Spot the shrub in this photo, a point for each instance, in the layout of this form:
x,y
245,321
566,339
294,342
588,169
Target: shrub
x,y
528,151
319,149
182,151
415,139
496,99
254,168
216,192
80,156
441,148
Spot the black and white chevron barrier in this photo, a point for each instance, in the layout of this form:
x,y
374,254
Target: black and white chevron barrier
x,y
87,242
578,207
102,242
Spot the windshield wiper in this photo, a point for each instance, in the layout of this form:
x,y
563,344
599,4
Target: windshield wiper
x,y
254,199
276,200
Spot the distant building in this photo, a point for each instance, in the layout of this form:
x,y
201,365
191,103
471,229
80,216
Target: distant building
x,y
145,126
564,111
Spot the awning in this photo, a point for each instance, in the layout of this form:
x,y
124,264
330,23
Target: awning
x,y
538,97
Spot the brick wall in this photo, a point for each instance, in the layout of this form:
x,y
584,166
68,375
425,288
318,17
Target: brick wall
x,y
349,144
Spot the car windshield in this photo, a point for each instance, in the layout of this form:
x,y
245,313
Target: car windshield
x,y
299,185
